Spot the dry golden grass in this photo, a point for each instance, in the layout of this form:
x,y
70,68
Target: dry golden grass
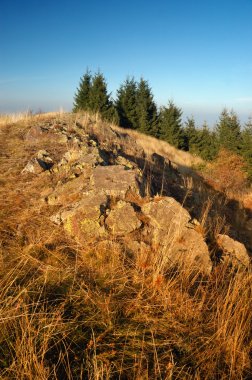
x,y
247,200
152,145
23,117
95,312
186,164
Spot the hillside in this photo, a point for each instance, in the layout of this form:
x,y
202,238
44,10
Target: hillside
x,y
117,259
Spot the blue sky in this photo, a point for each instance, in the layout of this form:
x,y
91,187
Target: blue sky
x,y
197,53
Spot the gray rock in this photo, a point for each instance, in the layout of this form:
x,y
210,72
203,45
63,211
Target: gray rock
x,y
83,220
191,249
171,230
114,180
122,219
32,167
233,251
40,163
167,218
67,193
35,134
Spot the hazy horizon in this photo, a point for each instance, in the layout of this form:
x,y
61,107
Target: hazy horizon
x,y
201,115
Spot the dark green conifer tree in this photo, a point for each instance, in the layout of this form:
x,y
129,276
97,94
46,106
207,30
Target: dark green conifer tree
x,y
82,96
191,136
126,104
206,145
246,147
228,131
201,141
99,99
170,125
146,109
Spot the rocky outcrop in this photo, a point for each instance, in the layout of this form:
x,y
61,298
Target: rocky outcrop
x,y
114,143
98,180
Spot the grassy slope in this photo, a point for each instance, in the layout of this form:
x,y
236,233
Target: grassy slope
x,y
93,312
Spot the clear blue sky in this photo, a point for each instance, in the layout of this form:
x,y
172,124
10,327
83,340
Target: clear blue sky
x,y
198,53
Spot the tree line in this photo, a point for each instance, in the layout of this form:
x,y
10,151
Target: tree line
x,y
135,108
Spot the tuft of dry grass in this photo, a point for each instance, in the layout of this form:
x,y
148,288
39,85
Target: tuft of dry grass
x,y
27,116
100,312
183,160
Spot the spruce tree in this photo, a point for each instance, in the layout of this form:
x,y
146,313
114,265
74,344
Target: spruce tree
x,y
228,131
99,99
201,141
126,104
146,109
170,125
82,96
246,147
207,146
191,136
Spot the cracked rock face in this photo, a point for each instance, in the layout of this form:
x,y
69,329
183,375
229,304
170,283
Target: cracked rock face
x,y
67,193
84,220
94,170
191,248
122,220
114,180
171,229
167,217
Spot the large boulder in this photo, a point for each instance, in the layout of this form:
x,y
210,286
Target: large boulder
x,y
114,180
114,141
84,220
171,230
166,217
191,249
233,251
37,134
122,219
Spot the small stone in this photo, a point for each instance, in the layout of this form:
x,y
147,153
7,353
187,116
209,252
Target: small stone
x,y
92,143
